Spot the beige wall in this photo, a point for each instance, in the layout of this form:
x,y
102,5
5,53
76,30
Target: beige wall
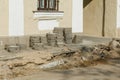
x,y
118,32
111,18
93,18
4,17
66,6
31,24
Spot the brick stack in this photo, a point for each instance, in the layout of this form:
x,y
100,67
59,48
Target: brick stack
x,y
44,39
35,42
60,37
68,35
51,39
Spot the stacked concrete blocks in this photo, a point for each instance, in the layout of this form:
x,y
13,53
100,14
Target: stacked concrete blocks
x,y
44,39
35,42
67,35
52,39
60,37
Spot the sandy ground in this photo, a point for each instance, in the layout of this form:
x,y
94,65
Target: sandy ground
x,y
100,72
29,60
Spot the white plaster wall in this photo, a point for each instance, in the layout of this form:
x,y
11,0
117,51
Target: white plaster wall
x,y
47,24
118,13
77,15
16,18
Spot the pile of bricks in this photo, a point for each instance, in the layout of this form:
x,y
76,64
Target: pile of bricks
x,y
68,35
52,39
44,39
35,42
60,37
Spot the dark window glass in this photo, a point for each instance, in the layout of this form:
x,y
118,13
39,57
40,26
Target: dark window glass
x,y
47,5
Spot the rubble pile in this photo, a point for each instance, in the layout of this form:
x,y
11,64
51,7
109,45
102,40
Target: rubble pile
x,y
47,54
88,55
59,58
108,51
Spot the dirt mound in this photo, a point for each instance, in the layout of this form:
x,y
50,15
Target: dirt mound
x,y
66,57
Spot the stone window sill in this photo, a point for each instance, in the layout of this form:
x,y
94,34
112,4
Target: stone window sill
x,y
48,14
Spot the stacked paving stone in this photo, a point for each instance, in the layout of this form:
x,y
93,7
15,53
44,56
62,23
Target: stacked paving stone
x,y
44,39
68,35
60,37
35,42
52,39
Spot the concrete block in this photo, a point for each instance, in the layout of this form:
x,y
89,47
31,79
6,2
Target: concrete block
x,y
37,46
12,48
35,39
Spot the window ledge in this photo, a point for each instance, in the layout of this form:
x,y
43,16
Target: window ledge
x,y
48,14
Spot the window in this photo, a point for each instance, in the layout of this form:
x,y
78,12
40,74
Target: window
x,y
48,4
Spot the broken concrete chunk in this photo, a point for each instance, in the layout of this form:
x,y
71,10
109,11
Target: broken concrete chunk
x,y
77,39
114,44
52,64
12,48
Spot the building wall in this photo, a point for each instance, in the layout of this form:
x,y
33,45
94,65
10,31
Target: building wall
x,y
93,18
111,18
31,23
4,17
66,6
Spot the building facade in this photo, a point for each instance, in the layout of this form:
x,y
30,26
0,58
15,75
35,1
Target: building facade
x,y
28,17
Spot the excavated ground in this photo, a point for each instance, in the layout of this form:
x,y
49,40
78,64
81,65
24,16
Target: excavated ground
x,y
68,62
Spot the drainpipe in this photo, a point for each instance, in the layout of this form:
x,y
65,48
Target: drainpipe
x,y
103,21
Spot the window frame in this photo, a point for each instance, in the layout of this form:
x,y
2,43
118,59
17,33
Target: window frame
x,y
47,5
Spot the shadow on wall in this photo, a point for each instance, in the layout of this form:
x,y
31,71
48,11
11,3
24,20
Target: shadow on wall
x,y
86,2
